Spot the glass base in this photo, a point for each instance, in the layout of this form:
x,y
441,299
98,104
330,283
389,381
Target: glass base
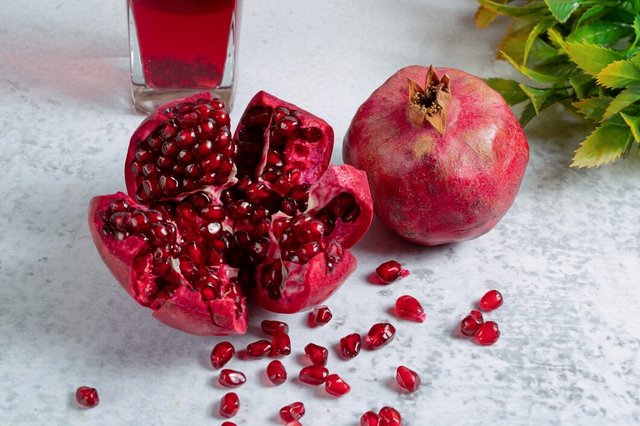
x,y
146,99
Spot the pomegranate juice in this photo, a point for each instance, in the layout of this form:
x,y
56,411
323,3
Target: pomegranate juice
x,y
183,43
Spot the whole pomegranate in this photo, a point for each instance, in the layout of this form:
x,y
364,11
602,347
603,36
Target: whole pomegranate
x,y
209,219
444,159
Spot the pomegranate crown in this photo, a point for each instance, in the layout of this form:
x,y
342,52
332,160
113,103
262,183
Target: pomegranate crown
x,y
429,104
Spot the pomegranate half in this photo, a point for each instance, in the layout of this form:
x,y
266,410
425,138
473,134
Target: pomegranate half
x,y
210,219
444,159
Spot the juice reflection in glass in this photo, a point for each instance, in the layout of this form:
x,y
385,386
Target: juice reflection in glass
x,y
182,47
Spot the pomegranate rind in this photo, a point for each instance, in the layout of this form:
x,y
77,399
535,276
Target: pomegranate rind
x,y
184,310
432,189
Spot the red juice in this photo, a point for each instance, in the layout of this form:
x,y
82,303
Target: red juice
x,y
183,43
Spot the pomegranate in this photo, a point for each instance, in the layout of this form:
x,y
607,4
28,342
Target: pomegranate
x,y
209,219
444,160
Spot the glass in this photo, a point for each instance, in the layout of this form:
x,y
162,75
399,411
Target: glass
x,y
180,48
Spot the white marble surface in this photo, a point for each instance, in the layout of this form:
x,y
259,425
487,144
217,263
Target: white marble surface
x,y
565,256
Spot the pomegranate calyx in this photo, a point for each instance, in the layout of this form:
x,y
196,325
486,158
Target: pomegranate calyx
x,y
429,104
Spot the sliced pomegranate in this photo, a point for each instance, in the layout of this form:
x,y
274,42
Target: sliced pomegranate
x,y
231,378
380,334
317,354
87,396
350,345
313,375
229,405
276,372
221,354
272,327
320,315
336,386
209,218
408,307
407,378
292,412
369,419
389,416
491,300
471,323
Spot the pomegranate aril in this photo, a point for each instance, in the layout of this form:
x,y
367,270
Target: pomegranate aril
x,y
336,386
87,396
276,372
389,416
221,354
487,334
229,405
369,419
491,300
320,315
380,334
407,378
292,412
313,375
280,345
471,323
312,134
228,424
390,271
258,349
317,354
273,327
350,345
408,307
231,378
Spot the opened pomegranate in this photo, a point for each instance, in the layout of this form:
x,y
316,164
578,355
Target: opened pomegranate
x,y
209,219
444,159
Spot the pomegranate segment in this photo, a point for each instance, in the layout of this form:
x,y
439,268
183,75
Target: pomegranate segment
x,y
390,271
317,354
229,405
487,334
369,419
471,323
292,412
272,327
350,345
221,354
336,386
491,300
276,372
408,379
320,315
313,375
209,218
408,307
87,396
231,378
380,334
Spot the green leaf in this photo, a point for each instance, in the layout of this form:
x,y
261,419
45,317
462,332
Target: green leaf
x,y
634,124
515,38
541,53
529,9
636,29
619,74
532,74
509,89
582,84
590,57
556,38
606,144
591,13
593,108
599,32
562,9
484,16
539,28
527,114
623,100
542,98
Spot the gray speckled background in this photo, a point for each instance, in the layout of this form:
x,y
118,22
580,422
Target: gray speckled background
x,y
566,256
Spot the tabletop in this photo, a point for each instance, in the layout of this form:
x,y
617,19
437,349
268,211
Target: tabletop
x,y
565,256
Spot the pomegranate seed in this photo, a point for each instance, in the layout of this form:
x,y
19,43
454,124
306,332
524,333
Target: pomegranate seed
x,y
87,396
229,405
389,416
408,379
280,345
369,419
221,353
292,412
471,323
380,335
258,349
334,385
487,334
317,354
321,315
350,345
228,424
390,271
231,378
408,307
313,375
293,423
276,372
491,300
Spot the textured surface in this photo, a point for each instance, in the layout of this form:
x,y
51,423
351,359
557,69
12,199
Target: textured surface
x,y
565,256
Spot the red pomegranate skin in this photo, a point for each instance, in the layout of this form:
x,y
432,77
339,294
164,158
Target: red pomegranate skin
x,y
430,188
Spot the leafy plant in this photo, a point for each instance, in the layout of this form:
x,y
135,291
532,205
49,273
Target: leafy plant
x,y
584,54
